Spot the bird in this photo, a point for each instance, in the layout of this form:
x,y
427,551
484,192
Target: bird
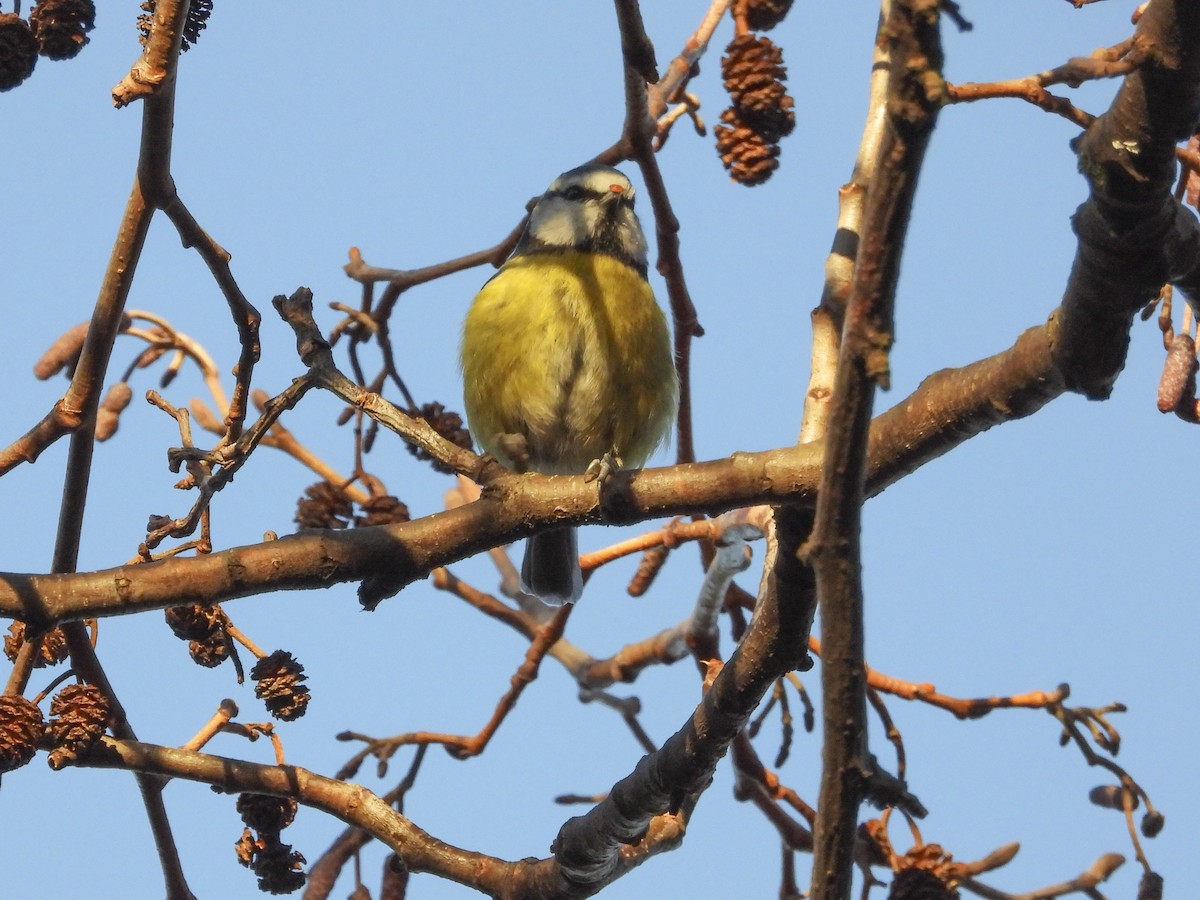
x,y
566,356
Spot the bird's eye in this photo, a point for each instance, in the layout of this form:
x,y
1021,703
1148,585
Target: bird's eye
x,y
574,192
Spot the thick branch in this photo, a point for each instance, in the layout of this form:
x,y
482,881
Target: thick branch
x,y
1131,230
950,407
915,93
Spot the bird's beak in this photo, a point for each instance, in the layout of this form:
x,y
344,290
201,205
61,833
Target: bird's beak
x,y
615,198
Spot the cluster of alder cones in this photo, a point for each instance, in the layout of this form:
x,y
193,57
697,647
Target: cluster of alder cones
x,y
58,29
761,112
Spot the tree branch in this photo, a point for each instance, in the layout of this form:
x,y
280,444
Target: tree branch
x,y
915,93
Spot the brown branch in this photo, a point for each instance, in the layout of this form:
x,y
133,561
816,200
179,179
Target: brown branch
x,y
785,575
667,647
226,711
1131,228
915,92
316,354
669,536
1109,62
962,708
762,787
588,851
1084,883
245,317
1029,89
950,407
400,280
680,69
351,803
638,137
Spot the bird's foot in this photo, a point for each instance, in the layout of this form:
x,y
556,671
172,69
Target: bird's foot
x,y
516,448
602,469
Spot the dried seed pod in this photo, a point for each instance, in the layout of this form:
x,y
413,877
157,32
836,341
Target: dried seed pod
x,y
1111,796
61,26
1150,887
79,715
278,681
749,159
323,506
54,645
116,401
449,425
1178,381
1152,823
21,728
64,352
18,51
763,15
265,813
652,562
382,510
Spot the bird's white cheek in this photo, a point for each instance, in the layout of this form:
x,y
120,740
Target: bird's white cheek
x,y
562,225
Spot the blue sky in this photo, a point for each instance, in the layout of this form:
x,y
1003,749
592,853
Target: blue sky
x,y
1048,550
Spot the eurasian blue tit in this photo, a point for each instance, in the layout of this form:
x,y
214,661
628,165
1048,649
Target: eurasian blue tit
x,y
566,354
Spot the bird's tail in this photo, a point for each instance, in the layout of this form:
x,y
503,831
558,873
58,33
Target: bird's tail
x,y
550,570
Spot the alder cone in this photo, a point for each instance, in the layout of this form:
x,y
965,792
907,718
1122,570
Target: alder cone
x,y
449,425
382,510
754,73
749,158
21,728
324,506
18,51
278,680
920,884
264,812
80,714
61,26
763,15
54,645
194,622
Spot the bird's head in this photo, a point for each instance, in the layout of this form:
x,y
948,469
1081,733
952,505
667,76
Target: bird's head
x,y
588,209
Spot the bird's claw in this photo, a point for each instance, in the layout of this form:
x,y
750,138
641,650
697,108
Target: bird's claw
x,y
602,469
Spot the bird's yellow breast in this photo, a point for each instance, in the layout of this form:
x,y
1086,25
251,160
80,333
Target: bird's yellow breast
x,y
571,351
